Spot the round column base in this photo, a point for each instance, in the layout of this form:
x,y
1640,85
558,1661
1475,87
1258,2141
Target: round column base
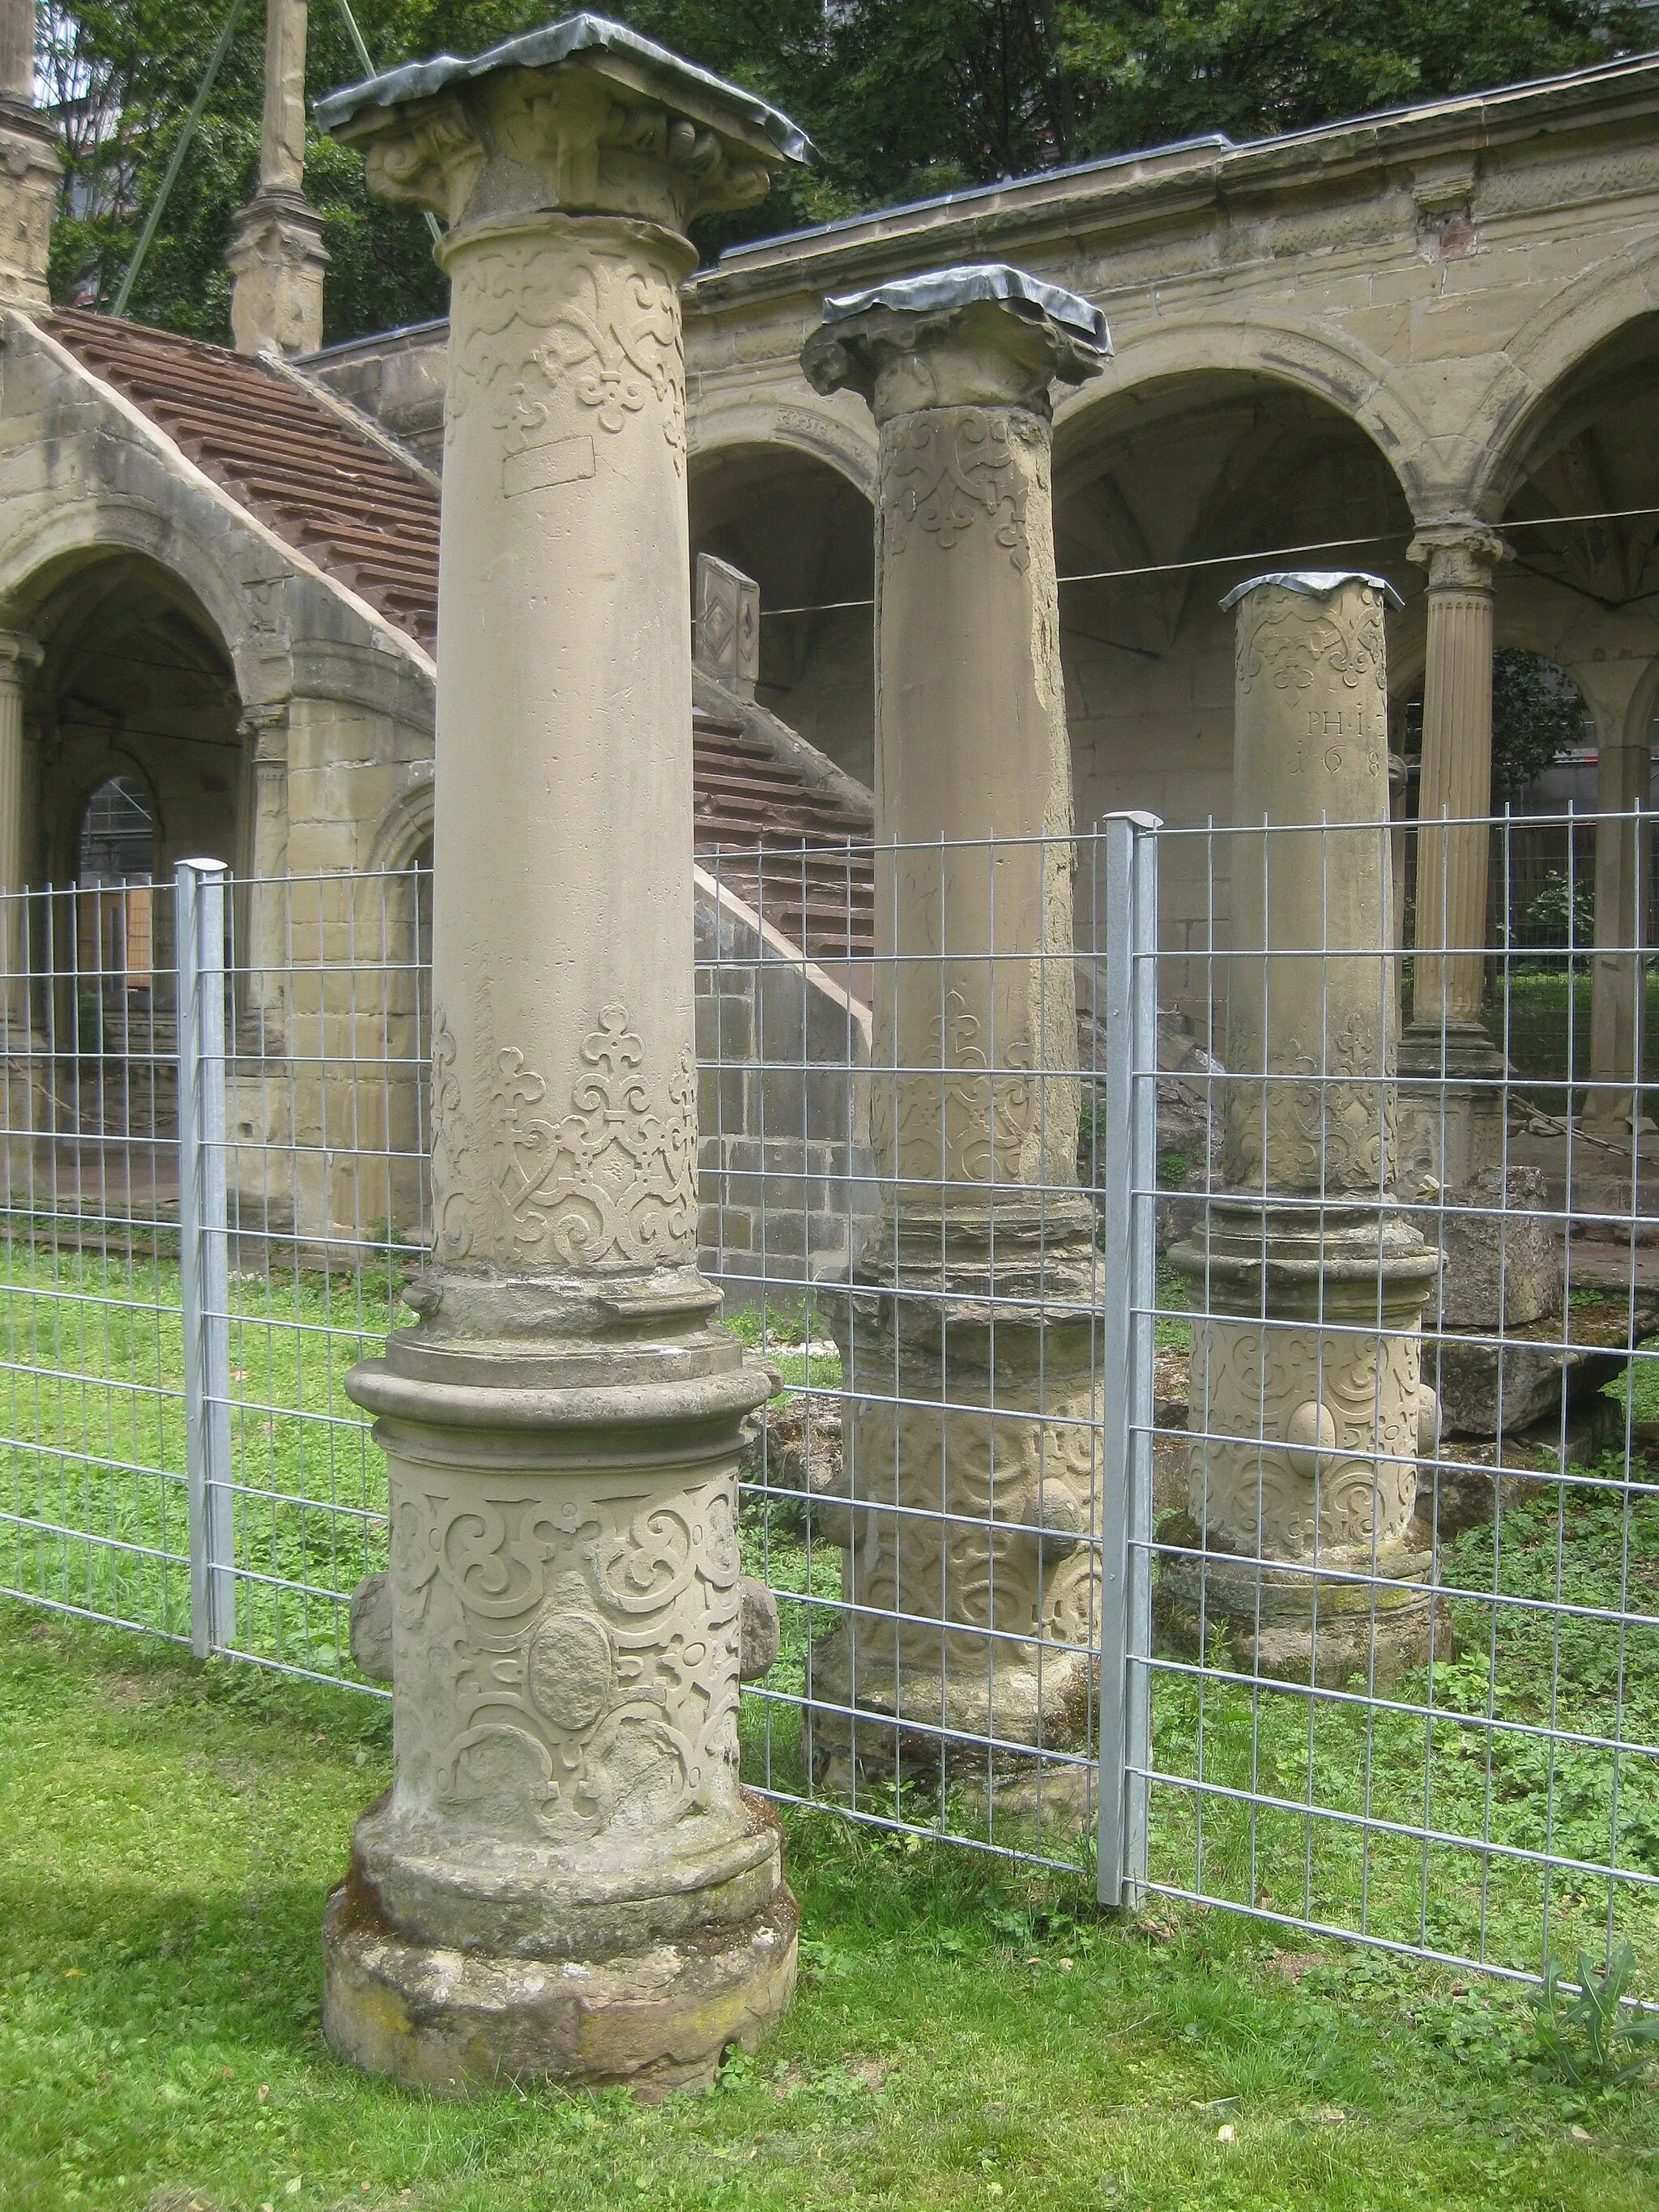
x,y
963,1730
460,2023
1322,1628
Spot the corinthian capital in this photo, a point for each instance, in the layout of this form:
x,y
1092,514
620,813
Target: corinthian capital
x,y
1460,552
584,117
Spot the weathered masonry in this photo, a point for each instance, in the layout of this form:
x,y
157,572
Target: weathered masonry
x,y
1422,340
1423,335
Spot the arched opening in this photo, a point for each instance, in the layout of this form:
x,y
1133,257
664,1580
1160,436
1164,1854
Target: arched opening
x,y
1167,494
804,532
136,687
114,946
135,759
1580,518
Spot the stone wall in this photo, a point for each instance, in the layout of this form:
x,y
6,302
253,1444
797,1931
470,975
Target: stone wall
x,y
786,1188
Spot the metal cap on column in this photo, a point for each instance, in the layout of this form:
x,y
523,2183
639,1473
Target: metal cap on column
x,y
565,1879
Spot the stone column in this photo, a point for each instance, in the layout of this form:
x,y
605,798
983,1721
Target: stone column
x,y
1307,1287
1615,694
275,253
20,657
29,170
1454,1132
966,1528
565,1879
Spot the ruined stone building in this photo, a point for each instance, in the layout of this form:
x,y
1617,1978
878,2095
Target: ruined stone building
x,y
1423,340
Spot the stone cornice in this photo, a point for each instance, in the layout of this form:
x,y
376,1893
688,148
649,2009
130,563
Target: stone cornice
x,y
1162,187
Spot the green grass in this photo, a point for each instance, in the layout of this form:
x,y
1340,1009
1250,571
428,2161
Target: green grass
x,y
312,1512
1538,1030
1560,1676
961,2037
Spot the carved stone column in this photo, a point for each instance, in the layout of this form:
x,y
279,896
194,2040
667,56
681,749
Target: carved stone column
x,y
966,1527
1307,1287
29,169
566,1879
20,657
275,253
1453,1133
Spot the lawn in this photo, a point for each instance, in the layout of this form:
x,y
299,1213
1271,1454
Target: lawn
x,y
962,2036
1531,1743
1537,1031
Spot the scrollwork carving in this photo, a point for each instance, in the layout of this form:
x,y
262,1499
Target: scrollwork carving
x,y
1251,1484
549,334
612,1182
943,468
589,1647
1293,641
1335,1131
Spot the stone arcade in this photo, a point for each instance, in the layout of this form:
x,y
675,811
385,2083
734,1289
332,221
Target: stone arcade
x,y
566,1879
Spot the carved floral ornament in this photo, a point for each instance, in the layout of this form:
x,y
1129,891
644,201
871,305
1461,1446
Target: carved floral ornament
x,y
942,469
552,334
571,1644
1335,1131
1293,641
613,1182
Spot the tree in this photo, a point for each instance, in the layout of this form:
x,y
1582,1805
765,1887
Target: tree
x,y
1537,718
903,98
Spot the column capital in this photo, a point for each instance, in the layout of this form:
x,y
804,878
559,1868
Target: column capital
x,y
583,117
20,656
979,336
1460,552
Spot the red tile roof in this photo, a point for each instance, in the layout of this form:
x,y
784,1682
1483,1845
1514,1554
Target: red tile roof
x,y
337,495
332,492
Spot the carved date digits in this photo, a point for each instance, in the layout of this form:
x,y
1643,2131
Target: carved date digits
x,y
612,1182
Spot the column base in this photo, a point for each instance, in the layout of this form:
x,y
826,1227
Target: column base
x,y
1377,1620
458,2023
1451,1104
957,1727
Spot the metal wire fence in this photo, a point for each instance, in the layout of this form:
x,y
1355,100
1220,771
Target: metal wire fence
x,y
1213,1451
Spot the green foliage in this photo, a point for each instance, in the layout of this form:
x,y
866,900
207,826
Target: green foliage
x,y
1563,913
902,97
1537,717
1592,2040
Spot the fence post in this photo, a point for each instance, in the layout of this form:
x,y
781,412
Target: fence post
x,y
203,1240
1128,1202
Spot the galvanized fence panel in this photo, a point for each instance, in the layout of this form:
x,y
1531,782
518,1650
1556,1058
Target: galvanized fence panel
x,y
94,1512
1441,1737
929,1189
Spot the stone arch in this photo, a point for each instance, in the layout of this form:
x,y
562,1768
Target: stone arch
x,y
803,424
404,829
34,561
137,678
1277,348
801,525
1542,359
